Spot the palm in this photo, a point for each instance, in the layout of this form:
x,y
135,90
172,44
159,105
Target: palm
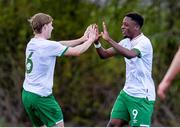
x,y
92,32
105,33
97,33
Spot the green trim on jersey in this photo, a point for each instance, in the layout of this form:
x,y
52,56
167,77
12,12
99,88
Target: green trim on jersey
x,y
64,51
138,52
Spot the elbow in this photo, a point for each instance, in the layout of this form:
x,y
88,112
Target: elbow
x,y
129,56
77,54
103,57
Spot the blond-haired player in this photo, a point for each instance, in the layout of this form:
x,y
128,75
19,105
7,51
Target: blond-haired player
x,y
41,53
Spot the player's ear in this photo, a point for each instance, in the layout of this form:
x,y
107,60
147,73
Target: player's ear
x,y
44,27
137,27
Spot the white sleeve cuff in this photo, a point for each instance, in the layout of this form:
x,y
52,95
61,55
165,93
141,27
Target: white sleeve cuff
x,y
97,45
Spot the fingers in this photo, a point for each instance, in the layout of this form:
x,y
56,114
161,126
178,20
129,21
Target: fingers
x,y
162,91
94,32
86,33
94,29
104,26
90,29
161,95
97,30
99,35
94,26
102,33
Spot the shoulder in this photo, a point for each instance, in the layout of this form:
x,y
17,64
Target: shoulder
x,y
144,41
124,42
41,42
49,43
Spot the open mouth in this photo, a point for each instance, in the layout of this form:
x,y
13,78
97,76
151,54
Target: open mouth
x,y
123,31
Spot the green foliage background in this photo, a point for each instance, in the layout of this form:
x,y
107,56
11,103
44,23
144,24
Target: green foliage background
x,y
86,86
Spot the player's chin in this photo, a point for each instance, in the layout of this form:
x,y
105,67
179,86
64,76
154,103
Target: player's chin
x,y
124,34
49,36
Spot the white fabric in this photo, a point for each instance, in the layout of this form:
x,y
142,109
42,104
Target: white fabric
x,y
40,79
139,82
97,45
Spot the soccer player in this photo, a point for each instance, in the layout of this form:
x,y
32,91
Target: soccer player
x,y
173,70
135,103
41,53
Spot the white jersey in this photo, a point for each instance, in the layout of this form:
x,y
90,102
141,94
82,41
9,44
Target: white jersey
x,y
139,82
40,62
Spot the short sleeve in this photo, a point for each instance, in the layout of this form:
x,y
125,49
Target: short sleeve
x,y
53,48
143,48
125,43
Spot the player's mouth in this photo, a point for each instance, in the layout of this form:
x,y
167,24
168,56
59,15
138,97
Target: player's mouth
x,y
123,31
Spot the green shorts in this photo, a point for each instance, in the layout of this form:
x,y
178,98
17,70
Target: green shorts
x,y
42,110
136,111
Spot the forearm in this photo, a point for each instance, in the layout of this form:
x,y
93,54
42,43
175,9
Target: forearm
x,y
121,50
83,47
104,53
174,68
72,43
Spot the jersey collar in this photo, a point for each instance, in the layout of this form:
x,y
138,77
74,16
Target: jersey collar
x,y
133,41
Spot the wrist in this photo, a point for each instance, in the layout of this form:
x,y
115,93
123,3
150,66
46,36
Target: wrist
x,y
96,42
109,39
97,45
83,38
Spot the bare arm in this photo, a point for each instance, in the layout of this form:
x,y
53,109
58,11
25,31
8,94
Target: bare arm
x,y
72,43
173,70
75,42
79,49
119,49
105,53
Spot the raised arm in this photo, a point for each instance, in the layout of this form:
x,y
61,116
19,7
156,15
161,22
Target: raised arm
x,y
119,49
78,41
173,70
74,42
79,49
103,53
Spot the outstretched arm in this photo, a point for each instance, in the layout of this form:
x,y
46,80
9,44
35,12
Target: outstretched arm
x,y
173,70
79,49
119,49
72,43
103,53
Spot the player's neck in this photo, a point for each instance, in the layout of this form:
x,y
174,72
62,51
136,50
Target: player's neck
x,y
39,36
136,35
